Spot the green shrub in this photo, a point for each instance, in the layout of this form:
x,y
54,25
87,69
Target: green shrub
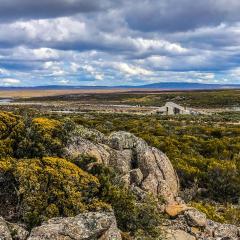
x,y
132,215
52,187
11,130
227,213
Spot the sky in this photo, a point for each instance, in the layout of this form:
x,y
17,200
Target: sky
x,y
119,42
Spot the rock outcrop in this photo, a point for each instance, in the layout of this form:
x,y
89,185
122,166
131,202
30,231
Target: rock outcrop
x,y
4,231
146,169
140,165
197,225
10,231
143,169
91,225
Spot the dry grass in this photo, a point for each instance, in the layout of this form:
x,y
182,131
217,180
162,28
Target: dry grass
x,y
45,93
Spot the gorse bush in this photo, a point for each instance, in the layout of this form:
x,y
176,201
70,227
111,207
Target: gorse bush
x,y
51,187
227,213
141,218
203,149
44,185
11,130
44,137
29,138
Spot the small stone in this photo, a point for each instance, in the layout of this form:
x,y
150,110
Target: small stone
x,y
195,218
226,230
178,235
174,210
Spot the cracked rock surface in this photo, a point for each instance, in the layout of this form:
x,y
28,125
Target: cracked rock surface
x,y
139,164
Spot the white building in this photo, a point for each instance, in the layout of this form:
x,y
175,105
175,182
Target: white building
x,y
171,108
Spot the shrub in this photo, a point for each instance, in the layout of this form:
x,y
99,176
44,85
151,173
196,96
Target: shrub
x,y
52,187
132,215
220,213
11,130
44,137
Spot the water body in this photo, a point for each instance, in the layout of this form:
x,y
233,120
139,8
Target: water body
x,y
5,100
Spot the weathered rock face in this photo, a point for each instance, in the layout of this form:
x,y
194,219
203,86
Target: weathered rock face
x,y
196,224
146,169
10,231
80,145
139,164
158,175
4,231
95,226
195,218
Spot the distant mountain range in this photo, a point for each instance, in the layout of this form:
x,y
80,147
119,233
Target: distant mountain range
x,y
156,86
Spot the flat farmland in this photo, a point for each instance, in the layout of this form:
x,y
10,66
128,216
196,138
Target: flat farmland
x,y
46,93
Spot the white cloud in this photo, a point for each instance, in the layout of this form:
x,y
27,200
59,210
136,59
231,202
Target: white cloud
x,y
99,76
64,81
132,70
3,71
10,81
96,74
58,73
74,67
235,72
45,53
59,29
158,45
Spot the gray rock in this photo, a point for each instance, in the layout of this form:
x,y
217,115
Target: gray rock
x,y
92,225
178,235
223,230
147,167
5,233
159,176
90,134
81,146
195,218
122,140
121,160
12,231
17,231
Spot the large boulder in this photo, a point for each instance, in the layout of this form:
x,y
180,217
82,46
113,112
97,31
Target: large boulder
x,y
91,225
4,231
79,146
196,218
152,167
196,224
11,231
139,164
227,231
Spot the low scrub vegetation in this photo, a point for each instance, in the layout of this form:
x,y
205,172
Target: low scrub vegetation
x,y
202,151
41,184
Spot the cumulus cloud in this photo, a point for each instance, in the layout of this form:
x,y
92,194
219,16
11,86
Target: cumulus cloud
x,y
28,9
180,16
119,42
10,81
132,70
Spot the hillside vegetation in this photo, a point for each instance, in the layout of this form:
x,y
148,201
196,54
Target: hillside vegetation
x,y
38,183
197,99
204,151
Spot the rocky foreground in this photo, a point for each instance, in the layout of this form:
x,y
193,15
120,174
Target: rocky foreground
x,y
143,169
